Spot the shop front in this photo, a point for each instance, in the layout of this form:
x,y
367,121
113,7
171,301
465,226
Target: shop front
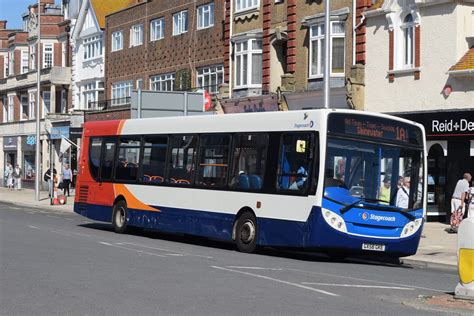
x,y
28,147
450,148
10,148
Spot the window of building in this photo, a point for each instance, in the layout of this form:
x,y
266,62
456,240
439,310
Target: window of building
x,y
136,35
154,159
182,163
180,22
157,29
33,60
5,69
248,63
209,78
11,106
24,61
243,5
316,56
46,103
108,159
296,157
32,105
248,167
205,17
408,28
25,110
162,82
11,63
126,168
63,54
89,95
5,109
63,101
47,55
117,41
214,160
92,47
121,92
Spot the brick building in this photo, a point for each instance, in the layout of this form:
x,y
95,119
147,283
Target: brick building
x,y
164,46
18,82
274,46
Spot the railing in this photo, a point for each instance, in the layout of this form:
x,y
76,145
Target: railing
x,y
109,104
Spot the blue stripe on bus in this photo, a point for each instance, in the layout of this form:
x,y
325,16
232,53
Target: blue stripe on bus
x,y
314,233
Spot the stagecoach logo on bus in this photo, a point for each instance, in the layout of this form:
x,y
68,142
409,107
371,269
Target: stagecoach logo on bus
x,y
309,124
378,218
450,126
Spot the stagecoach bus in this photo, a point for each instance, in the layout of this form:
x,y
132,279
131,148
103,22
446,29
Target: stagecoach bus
x,y
338,180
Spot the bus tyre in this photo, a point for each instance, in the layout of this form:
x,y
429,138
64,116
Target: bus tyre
x,y
119,217
246,233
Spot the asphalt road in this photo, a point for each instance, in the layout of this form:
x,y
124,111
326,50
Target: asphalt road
x,y
54,263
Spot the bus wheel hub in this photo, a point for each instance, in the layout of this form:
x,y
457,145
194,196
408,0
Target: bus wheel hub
x,y
247,232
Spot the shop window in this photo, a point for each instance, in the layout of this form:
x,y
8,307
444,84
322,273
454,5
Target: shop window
x,y
182,162
126,168
154,159
94,156
214,160
295,162
249,158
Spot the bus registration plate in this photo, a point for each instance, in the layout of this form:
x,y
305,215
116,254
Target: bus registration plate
x,y
373,247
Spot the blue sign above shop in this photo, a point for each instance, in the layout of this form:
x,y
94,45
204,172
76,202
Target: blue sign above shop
x,y
59,132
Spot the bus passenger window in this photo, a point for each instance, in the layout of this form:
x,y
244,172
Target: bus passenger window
x,y
94,156
295,162
183,159
248,168
108,157
214,160
154,159
126,167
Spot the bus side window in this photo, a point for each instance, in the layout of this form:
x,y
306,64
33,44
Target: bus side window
x,y
182,162
213,160
154,159
94,156
126,167
248,167
108,157
295,162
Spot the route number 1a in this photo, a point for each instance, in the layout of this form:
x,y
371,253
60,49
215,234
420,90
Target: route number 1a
x,y
401,134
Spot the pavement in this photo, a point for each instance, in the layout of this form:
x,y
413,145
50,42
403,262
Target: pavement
x,y
437,247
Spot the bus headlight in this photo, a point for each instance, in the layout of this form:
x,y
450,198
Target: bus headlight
x,y
411,228
334,220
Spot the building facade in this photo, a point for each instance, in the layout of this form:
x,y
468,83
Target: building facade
x,y
419,64
18,82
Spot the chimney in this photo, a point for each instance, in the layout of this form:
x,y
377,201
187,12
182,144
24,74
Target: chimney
x,y
3,25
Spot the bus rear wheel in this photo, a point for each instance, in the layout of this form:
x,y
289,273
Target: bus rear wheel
x,y
246,233
119,217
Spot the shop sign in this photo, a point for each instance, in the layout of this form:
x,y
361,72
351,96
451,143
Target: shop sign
x,y
59,132
28,143
445,124
10,143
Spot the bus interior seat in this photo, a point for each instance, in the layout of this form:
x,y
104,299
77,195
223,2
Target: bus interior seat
x,y
244,182
255,182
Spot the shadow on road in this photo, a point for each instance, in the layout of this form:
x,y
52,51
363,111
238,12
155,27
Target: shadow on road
x,y
296,254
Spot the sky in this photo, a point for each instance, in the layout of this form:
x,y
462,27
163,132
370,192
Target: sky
x,y
11,10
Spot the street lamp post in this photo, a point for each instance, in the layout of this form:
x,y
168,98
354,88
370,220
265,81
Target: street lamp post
x,y
327,51
38,78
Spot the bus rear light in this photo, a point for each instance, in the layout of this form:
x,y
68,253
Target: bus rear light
x,y
334,220
411,228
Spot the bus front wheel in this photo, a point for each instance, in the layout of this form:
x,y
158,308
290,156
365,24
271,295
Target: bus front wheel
x,y
246,233
119,217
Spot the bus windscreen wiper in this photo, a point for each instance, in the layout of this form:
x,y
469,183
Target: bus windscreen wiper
x,y
349,206
377,208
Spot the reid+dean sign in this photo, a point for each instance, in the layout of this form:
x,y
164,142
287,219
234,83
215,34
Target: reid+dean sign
x,y
452,126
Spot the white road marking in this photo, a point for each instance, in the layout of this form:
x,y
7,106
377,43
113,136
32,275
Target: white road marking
x,y
51,216
277,280
131,249
255,268
368,280
361,286
167,250
31,226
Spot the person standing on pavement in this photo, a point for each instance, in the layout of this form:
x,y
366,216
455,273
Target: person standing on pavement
x,y
457,201
67,176
49,178
17,174
8,174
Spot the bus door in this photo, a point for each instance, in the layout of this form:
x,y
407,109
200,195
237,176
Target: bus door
x,y
104,189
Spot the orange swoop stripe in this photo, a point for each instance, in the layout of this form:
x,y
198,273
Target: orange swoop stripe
x,y
120,127
132,201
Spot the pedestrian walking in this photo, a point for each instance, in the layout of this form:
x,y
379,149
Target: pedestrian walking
x,y
9,176
458,200
6,174
67,176
17,174
48,178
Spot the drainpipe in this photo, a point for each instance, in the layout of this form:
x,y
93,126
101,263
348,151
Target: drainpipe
x,y
231,17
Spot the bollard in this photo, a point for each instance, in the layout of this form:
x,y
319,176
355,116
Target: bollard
x,y
465,287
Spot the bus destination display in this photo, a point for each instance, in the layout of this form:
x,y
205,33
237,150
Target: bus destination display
x,y
374,127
